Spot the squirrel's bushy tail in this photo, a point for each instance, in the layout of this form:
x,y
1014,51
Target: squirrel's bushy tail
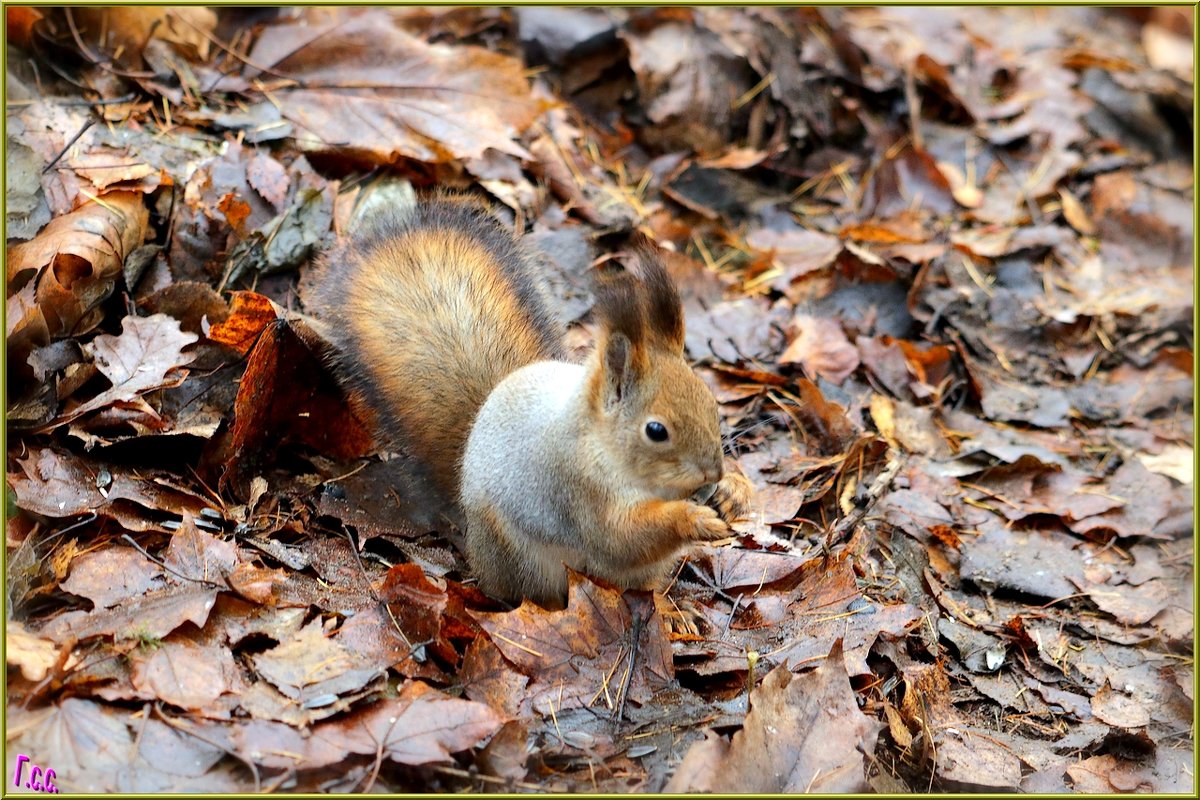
x,y
430,308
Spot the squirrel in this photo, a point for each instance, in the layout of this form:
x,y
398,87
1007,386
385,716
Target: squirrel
x,y
443,326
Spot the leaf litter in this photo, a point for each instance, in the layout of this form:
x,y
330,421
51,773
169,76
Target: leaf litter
x,y
937,269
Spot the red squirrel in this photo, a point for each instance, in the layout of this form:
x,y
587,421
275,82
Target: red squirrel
x,y
443,326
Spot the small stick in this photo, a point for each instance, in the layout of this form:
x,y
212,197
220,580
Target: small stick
x,y
169,569
86,127
183,729
639,623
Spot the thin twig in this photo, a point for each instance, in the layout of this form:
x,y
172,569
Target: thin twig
x,y
639,623
169,569
87,126
212,743
882,482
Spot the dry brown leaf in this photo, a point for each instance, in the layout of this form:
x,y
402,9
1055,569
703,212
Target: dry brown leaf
x,y
56,484
1119,709
821,347
569,654
421,726
146,356
148,617
689,80
284,392
129,28
804,733
312,665
87,742
364,85
184,672
112,574
797,252
77,259
1076,214
1175,461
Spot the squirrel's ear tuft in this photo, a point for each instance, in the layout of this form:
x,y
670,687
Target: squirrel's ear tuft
x,y
621,316
663,309
618,305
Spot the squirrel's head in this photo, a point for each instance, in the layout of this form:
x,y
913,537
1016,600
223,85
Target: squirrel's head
x,y
657,418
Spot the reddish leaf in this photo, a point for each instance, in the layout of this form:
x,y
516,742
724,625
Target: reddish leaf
x,y
288,396
570,655
249,315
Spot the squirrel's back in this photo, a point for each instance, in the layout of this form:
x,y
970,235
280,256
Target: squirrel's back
x,y
434,307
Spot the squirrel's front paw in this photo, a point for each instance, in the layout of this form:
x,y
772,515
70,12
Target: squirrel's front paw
x,y
732,497
706,524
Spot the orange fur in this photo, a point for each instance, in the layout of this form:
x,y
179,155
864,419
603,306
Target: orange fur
x,y
431,311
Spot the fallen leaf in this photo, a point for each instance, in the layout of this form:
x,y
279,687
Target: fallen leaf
x,y
58,484
129,29
87,743
269,179
569,654
1175,461
150,616
313,665
1040,562
363,84
33,655
185,673
821,347
685,74
1075,213
1146,500
288,395
249,314
146,356
797,252
1119,709
112,574
488,678
421,726
804,733
77,259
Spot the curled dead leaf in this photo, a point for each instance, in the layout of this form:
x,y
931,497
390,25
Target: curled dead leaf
x,y
75,261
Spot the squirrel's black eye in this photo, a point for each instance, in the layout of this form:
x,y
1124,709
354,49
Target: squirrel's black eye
x,y
656,431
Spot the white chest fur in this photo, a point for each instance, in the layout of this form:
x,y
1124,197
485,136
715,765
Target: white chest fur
x,y
517,451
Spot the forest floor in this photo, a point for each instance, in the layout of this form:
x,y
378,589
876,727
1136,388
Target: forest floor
x,y
937,267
